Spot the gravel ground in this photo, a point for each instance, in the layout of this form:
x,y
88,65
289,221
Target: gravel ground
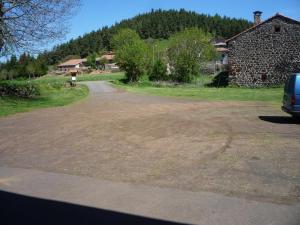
x,y
243,149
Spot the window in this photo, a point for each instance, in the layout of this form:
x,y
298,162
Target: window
x,y
264,77
277,28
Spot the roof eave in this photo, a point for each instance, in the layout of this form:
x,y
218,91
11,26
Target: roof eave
x,y
255,26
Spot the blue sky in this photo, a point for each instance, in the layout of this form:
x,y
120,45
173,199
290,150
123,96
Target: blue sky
x,y
95,14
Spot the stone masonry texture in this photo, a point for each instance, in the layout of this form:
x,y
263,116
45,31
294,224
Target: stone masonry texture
x,y
266,54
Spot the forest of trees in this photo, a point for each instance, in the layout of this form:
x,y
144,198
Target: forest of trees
x,y
158,24
180,62
23,67
155,25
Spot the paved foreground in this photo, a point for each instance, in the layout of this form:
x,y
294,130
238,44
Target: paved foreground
x,y
146,201
247,154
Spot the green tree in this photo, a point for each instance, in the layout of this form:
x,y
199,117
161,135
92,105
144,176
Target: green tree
x,y
13,73
124,37
36,68
12,63
24,61
188,50
3,74
132,54
159,71
42,66
156,24
102,62
91,61
71,57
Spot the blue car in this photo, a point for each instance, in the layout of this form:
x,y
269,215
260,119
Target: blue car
x,y
291,98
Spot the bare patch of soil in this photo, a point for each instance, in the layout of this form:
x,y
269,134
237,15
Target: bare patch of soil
x,y
193,145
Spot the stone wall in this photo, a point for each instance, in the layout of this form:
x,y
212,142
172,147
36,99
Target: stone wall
x,y
265,56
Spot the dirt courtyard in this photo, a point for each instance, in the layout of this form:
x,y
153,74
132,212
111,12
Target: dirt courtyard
x,y
242,149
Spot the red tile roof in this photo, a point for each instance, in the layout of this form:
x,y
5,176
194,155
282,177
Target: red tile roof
x,y
72,62
108,57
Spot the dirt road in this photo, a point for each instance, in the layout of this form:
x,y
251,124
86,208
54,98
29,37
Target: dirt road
x,y
242,149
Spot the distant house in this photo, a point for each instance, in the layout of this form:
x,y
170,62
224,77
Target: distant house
x,y
223,55
72,64
221,47
110,65
266,53
110,56
81,64
222,61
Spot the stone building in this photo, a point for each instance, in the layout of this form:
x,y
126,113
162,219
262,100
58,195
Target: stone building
x,y
265,54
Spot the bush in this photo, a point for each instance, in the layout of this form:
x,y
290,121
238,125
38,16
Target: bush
x,y
220,80
132,54
187,51
91,61
159,71
22,89
3,74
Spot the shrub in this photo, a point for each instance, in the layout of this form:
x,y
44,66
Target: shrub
x,y
159,71
91,61
132,54
188,49
22,89
3,74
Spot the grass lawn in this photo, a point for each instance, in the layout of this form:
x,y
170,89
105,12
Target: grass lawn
x,y
273,95
85,77
52,93
198,90
50,97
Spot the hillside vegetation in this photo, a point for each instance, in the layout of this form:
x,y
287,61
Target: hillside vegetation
x,y
158,24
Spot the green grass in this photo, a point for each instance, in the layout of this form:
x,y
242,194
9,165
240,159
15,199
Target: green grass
x,y
52,93
198,90
50,97
85,77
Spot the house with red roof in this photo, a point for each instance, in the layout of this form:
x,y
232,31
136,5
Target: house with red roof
x,y
78,65
72,65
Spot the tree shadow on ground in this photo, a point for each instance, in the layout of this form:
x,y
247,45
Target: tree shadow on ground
x,y
280,119
18,209
124,80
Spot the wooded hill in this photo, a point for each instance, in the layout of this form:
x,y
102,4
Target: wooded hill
x,y
159,24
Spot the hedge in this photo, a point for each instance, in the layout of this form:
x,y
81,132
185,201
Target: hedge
x,y
21,89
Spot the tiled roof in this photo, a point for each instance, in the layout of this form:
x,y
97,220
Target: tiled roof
x,y
255,26
72,62
222,50
108,57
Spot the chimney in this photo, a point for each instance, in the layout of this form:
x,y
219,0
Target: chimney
x,y
257,19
